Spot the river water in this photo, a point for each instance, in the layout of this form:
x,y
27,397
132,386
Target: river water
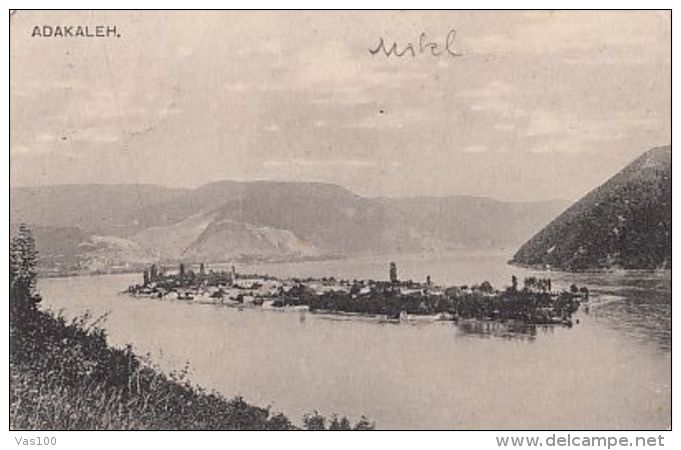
x,y
610,371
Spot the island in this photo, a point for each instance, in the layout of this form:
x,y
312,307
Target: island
x,y
393,299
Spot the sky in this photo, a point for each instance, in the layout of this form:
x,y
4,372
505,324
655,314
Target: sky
x,y
530,105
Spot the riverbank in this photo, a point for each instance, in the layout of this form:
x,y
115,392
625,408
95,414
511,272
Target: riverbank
x,y
46,271
556,271
64,376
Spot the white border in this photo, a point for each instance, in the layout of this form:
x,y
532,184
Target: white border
x,y
276,440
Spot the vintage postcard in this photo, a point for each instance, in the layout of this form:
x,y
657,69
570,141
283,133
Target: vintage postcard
x,y
340,220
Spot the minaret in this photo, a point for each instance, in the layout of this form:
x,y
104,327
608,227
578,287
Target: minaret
x,y
393,272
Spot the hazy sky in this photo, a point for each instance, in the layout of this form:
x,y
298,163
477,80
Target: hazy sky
x,y
538,105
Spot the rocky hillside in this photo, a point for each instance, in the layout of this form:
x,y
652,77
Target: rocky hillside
x,y
624,223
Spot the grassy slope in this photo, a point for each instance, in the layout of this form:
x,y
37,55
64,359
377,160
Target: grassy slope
x,y
63,376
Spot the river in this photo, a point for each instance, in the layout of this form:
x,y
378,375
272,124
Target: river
x,y
612,370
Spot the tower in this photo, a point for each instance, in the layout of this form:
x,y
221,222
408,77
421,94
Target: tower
x,y
393,272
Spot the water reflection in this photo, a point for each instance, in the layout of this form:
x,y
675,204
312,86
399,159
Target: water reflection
x,y
511,330
637,303
637,313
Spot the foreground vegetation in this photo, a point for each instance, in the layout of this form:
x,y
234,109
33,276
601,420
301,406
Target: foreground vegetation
x,y
64,376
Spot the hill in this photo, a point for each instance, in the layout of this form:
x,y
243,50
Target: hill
x,y
93,208
477,222
624,223
120,227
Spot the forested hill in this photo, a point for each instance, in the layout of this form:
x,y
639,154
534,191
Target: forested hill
x,y
624,223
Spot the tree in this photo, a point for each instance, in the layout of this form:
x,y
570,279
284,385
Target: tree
x,y
314,422
23,260
364,425
337,424
542,284
486,287
13,263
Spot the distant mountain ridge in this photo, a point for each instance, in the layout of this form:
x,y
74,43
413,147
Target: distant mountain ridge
x,y
478,222
124,226
624,223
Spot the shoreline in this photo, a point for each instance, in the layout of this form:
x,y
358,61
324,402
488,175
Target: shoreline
x,y
594,271
510,263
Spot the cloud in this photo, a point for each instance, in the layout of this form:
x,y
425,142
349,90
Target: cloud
x,y
266,48
87,135
20,150
236,86
578,35
349,95
474,149
43,151
184,51
606,127
493,89
356,163
170,110
497,97
388,118
505,126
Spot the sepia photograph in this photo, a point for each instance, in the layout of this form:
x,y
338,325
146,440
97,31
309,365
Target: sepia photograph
x,y
340,220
